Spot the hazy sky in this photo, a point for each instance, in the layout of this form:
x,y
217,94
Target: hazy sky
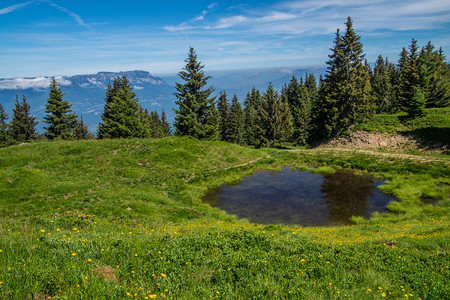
x,y
63,37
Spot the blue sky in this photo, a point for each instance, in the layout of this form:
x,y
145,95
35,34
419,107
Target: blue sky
x,y
62,37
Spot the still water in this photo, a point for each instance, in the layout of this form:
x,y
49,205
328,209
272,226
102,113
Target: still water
x,y
300,197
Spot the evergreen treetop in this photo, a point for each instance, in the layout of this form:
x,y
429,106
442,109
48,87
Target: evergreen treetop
x,y
122,116
22,127
196,113
60,117
346,94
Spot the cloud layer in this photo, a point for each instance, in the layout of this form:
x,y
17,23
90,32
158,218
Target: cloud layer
x,y
31,83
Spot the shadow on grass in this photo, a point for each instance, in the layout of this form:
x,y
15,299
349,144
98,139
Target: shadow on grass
x,y
431,137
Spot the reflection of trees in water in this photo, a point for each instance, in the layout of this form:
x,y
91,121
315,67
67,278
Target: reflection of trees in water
x,y
347,195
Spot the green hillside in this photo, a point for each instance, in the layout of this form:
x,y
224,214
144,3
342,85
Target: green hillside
x,y
117,219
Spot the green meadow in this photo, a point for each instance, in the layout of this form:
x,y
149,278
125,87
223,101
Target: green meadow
x,y
118,219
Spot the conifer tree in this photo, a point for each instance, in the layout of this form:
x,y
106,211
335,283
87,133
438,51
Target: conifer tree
x,y
313,93
147,122
156,123
60,117
166,131
22,126
285,130
434,76
269,114
253,132
81,130
223,110
294,98
382,87
346,95
3,125
196,115
410,92
122,116
235,122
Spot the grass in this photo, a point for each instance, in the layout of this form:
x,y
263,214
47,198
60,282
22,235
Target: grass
x,y
391,123
122,219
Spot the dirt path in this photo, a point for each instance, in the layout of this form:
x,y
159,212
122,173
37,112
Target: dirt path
x,y
421,158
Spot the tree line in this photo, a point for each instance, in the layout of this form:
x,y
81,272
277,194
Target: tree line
x,y
303,112
123,117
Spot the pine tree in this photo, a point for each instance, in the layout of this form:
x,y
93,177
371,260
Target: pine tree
x,y
285,130
3,125
235,122
410,92
122,116
223,110
294,98
434,77
268,113
382,87
81,130
196,115
253,132
346,95
22,126
60,117
166,131
313,93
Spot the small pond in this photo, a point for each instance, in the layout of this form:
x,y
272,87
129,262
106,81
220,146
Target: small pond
x,y
300,197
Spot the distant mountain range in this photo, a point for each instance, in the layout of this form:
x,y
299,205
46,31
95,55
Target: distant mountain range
x,y
87,92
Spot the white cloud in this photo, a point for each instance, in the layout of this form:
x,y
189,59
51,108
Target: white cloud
x,y
278,16
95,82
73,15
14,7
31,83
181,27
223,23
212,5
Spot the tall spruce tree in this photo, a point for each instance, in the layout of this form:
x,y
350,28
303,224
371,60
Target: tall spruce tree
x,y
253,131
284,119
235,122
346,95
60,117
382,86
22,126
122,116
3,125
81,130
223,109
410,92
434,76
196,115
269,116
165,125
295,97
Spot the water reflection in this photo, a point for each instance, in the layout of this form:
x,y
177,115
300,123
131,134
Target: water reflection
x,y
300,197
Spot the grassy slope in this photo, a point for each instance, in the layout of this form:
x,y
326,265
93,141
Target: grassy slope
x,y
122,218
